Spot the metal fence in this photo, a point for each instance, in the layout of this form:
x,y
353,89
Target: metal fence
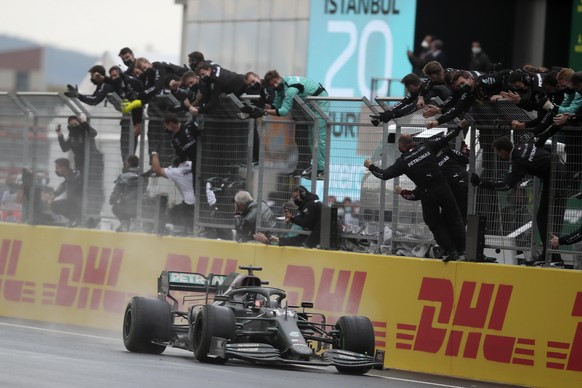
x,y
266,156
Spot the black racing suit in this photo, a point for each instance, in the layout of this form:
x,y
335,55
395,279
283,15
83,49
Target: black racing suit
x,y
486,85
407,105
101,91
534,159
453,164
157,107
184,145
439,208
219,81
571,238
129,88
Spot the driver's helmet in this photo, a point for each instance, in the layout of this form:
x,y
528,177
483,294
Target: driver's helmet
x,y
256,300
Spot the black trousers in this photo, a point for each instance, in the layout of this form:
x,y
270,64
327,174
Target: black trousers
x,y
442,216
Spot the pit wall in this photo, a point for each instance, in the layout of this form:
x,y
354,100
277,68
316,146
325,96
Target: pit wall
x,y
491,322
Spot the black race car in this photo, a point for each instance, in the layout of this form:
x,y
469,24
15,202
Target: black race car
x,y
238,316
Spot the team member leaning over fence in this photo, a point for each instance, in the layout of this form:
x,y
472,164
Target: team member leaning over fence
x,y
286,88
531,158
409,104
439,207
453,164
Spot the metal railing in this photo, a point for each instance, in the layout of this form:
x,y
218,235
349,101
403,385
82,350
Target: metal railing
x,y
372,217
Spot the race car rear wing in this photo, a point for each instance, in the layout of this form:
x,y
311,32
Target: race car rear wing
x,y
189,281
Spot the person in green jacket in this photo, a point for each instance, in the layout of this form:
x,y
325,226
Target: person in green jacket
x,y
286,88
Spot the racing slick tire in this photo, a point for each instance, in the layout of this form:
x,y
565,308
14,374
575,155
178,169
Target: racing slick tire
x,y
146,319
212,321
356,335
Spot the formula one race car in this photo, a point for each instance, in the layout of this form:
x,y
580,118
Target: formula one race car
x,y
237,316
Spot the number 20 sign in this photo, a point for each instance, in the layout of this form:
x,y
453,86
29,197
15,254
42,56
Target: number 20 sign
x,y
351,42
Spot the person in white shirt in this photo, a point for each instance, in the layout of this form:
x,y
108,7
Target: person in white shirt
x,y
181,214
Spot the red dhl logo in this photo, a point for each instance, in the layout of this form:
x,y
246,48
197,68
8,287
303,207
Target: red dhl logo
x,y
487,313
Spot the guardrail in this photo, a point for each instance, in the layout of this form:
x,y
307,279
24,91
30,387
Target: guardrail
x,y
264,156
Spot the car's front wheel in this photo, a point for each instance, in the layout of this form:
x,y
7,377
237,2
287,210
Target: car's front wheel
x,y
212,321
356,335
146,319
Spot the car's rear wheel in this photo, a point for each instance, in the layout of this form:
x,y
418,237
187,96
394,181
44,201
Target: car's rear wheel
x,y
356,335
146,319
212,321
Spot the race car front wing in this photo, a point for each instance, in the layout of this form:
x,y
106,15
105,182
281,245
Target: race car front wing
x,y
265,353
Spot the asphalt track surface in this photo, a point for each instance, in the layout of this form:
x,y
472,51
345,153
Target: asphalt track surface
x,y
34,354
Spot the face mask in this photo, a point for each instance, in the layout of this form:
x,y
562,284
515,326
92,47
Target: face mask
x,y
59,174
347,209
297,201
116,83
193,65
94,82
256,85
465,88
128,62
476,50
280,87
424,44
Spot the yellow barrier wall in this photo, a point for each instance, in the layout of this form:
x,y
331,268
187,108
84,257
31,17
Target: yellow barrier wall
x,y
481,321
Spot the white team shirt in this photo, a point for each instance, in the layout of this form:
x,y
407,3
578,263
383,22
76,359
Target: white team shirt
x,y
182,177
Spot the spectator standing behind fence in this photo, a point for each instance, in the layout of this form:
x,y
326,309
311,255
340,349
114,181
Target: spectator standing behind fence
x,y
70,206
439,207
125,195
479,59
437,53
420,59
11,199
532,158
286,88
181,214
246,213
81,137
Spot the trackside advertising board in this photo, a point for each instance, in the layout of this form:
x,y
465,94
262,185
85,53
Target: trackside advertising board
x,y
491,322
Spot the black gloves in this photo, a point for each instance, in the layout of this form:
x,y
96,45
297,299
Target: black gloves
x,y
383,117
386,116
375,120
249,111
475,180
72,91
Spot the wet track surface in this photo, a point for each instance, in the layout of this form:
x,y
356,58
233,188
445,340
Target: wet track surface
x,y
36,354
